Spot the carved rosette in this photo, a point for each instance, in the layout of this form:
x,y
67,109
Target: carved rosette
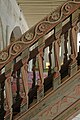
x,y
54,17
28,37
3,56
16,48
41,27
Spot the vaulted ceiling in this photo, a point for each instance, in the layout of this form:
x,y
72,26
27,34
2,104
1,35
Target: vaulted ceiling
x,y
35,10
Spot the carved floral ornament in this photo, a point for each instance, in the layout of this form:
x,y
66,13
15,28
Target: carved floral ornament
x,y
3,56
41,27
16,48
29,36
57,15
54,17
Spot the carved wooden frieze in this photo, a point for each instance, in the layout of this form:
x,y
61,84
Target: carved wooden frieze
x,y
39,30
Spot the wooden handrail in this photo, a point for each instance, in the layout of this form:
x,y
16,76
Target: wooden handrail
x,y
38,31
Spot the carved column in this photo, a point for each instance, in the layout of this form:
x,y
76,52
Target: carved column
x,y
8,89
73,41
24,71
40,91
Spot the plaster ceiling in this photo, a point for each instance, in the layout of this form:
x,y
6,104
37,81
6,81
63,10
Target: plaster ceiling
x,y
35,10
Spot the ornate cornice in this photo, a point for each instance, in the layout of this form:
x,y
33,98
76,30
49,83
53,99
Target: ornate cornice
x,y
36,32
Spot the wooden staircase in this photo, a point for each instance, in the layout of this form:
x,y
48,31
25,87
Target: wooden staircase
x,y
56,97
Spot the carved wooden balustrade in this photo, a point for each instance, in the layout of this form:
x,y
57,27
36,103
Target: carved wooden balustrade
x,y
58,33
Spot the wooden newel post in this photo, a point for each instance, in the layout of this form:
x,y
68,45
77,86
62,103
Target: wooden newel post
x,y
40,91
24,71
8,88
73,41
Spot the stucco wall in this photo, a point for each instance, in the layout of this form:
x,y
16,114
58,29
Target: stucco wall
x,y
10,17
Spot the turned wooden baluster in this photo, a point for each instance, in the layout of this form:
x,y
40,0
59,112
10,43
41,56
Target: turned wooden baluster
x,y
73,42
40,64
73,34
56,52
50,59
57,35
8,89
40,92
56,74
18,99
24,71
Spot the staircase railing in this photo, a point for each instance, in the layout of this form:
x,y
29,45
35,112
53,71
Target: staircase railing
x,y
56,33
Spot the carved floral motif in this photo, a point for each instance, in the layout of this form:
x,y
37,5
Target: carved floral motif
x,y
16,48
54,17
29,36
3,56
41,27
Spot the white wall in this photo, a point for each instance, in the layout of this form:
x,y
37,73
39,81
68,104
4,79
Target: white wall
x,y
10,17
